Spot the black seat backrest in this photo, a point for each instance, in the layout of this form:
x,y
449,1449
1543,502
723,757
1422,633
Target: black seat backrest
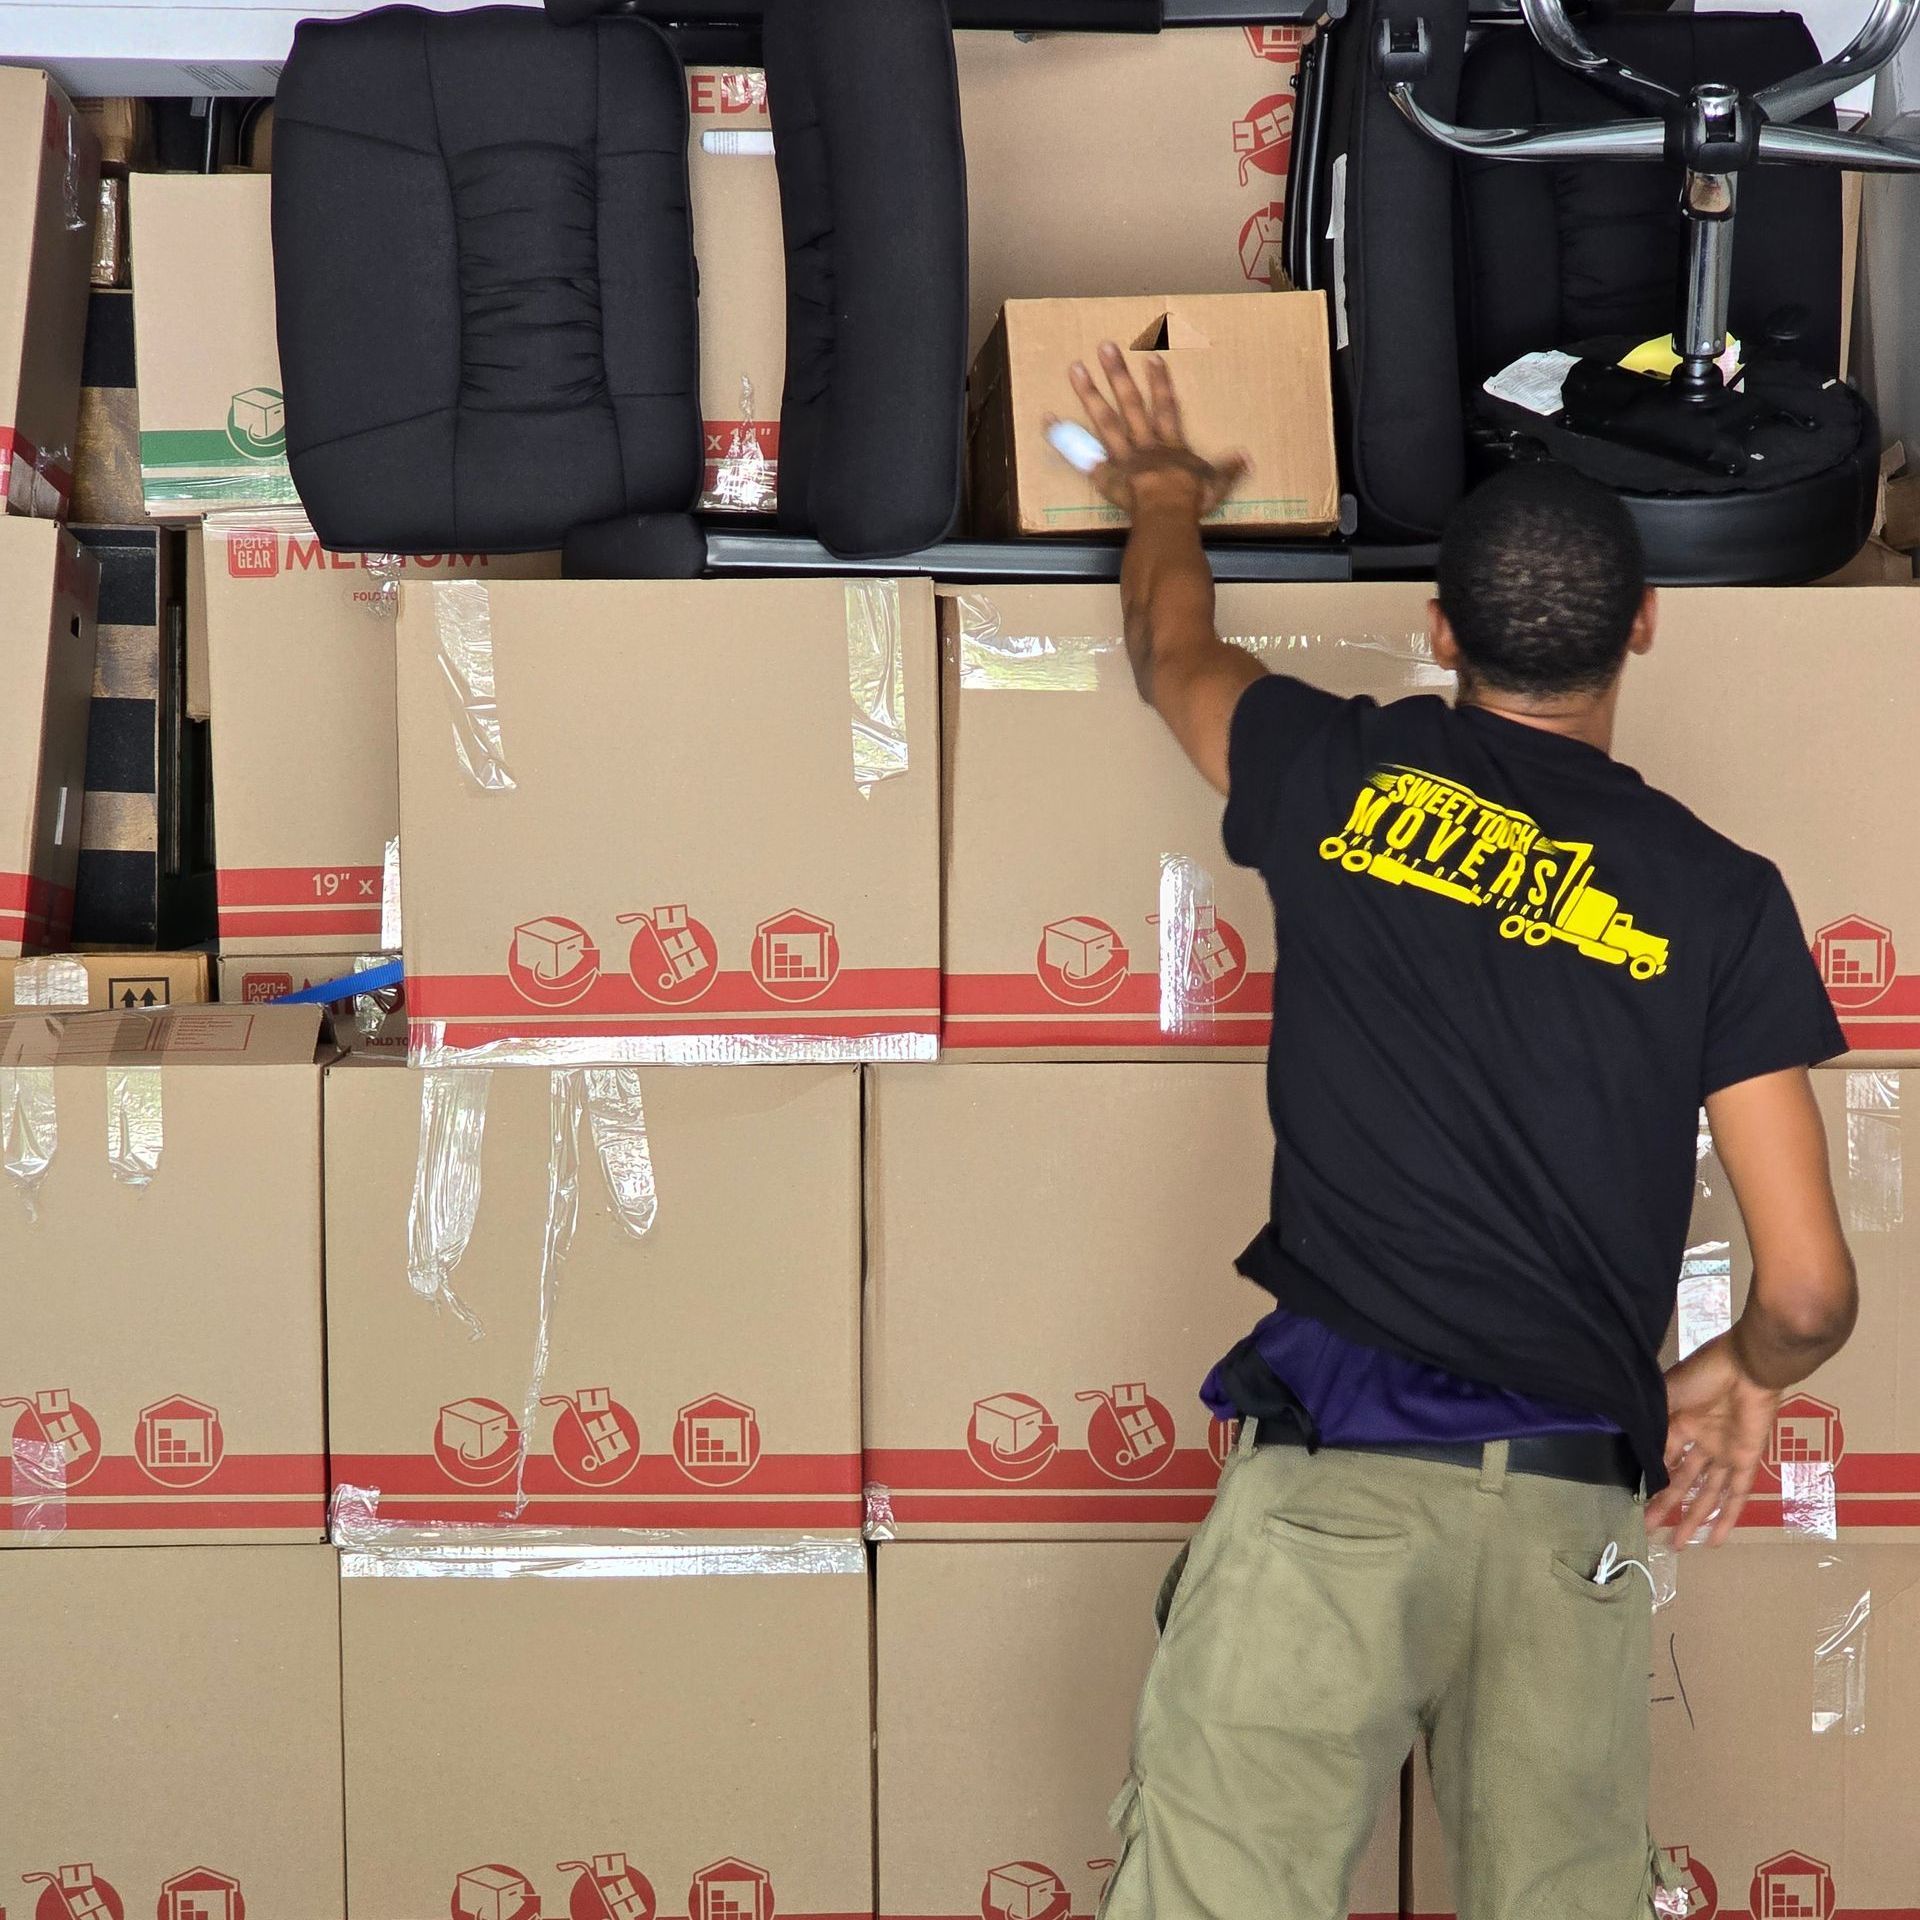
x,y
1548,256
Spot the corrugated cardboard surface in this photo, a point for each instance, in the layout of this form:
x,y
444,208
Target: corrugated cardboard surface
x,y
49,590
96,982
1785,1696
1251,370
49,182
374,1024
1778,714
703,1376
1122,163
1845,1460
212,429
300,664
1049,1276
673,748
166,1336
173,1721
1074,818
496,1727
1007,1677
741,247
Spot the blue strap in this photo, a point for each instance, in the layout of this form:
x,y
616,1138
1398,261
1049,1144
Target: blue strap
x,y
326,992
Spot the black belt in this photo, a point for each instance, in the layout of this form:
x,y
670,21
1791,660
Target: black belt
x,y
1593,1459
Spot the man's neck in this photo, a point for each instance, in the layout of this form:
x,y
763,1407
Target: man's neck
x,y
1587,717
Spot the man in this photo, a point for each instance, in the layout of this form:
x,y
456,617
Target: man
x,y
1509,974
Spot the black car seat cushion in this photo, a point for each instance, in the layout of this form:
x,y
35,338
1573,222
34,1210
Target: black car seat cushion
x,y
486,292
866,126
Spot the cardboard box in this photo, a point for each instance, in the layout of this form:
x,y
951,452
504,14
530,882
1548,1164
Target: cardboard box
x,y
162,1372
173,1718
50,166
103,982
49,592
122,128
1049,1277
708,826
1845,1459
300,664
741,246
702,1367
369,1023
1115,925
1798,678
1007,1677
1785,1741
1124,163
686,1737
212,421
1252,371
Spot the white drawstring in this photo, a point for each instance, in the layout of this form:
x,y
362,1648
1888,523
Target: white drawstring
x,y
1613,1562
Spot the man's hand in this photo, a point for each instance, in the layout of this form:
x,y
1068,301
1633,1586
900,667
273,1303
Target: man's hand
x,y
1718,1424
1190,676
1149,464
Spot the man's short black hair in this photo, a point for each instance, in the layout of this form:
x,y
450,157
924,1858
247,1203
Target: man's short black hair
x,y
1541,575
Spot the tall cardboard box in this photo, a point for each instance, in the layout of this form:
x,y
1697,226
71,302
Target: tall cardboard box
x,y
192,1698
669,821
1049,1278
1772,712
300,664
213,429
49,592
1125,163
1007,1677
683,1733
160,1343
49,184
1845,1459
1785,1702
1090,907
741,246
597,1301
1253,371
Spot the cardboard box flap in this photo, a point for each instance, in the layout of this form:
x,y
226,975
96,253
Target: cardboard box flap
x,y
191,1036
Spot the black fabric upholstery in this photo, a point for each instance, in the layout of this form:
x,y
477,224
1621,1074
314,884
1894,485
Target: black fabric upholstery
x,y
866,123
1551,256
484,261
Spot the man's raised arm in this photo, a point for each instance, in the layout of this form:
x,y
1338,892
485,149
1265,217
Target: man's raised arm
x,y
1190,676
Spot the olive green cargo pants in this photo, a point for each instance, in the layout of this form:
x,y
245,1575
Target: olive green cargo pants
x,y
1335,1608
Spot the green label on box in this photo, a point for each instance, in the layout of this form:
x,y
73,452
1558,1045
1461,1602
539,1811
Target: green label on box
x,y
210,468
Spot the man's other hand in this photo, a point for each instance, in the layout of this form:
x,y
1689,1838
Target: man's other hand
x,y
1149,463
1718,1425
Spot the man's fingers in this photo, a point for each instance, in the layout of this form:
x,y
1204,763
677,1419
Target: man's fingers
x,y
1162,407
1223,477
1706,1495
1731,1502
1100,412
1126,395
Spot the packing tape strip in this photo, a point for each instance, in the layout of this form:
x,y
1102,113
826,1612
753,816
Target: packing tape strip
x,y
1809,1499
136,1124
744,479
446,1184
372,1548
1874,1197
1840,1660
879,1522
74,202
39,1487
390,895
1704,1307
877,680
1193,953
53,980
428,1046
29,1117
463,620
991,659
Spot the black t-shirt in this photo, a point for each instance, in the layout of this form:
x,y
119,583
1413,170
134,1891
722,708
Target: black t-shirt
x,y
1508,973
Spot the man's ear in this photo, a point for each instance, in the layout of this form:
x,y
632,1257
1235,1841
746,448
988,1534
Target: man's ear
x,y
1440,639
1644,622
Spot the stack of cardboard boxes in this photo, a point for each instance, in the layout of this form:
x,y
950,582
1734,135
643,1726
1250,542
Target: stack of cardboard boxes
x,y
593,1359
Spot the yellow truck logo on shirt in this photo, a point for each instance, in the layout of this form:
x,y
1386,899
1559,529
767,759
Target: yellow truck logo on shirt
x,y
1414,829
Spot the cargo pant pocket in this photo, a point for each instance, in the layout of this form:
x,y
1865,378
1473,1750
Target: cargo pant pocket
x,y
1124,1897
1672,1893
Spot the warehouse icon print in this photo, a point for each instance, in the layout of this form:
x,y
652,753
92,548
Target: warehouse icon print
x,y
1414,829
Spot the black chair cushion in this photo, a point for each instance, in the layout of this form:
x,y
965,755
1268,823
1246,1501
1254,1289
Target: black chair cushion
x,y
484,263
1552,256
